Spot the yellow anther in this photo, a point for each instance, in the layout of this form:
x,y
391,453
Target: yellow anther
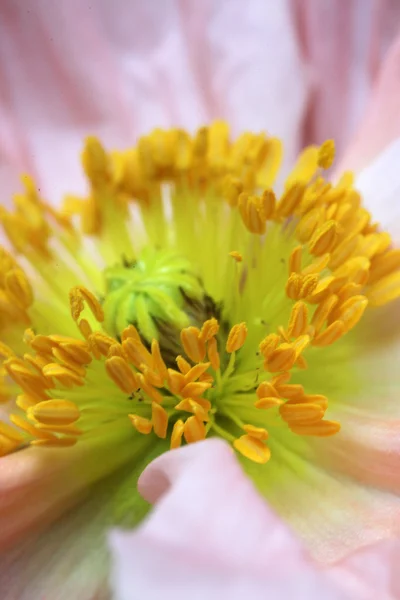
x,y
236,256
21,423
343,251
268,402
84,328
24,401
213,354
298,321
308,285
320,429
196,388
326,154
5,351
322,290
251,211
86,296
19,287
159,419
306,166
194,407
256,432
141,424
122,375
330,335
148,389
323,312
193,345
151,376
351,311
291,391
295,260
385,290
317,266
159,364
209,330
65,429
384,264
177,433
319,399
324,238
269,344
266,389
101,342
130,332
76,303
355,270
196,371
183,365
293,286
176,381
76,351
137,353
12,434
236,338
309,223
253,449
95,162
56,442
268,204
301,412
300,344
54,412
232,190
194,430
282,359
290,200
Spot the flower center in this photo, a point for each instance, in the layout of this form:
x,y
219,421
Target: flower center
x,y
225,311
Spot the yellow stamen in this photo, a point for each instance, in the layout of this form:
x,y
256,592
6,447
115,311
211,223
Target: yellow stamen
x,y
298,320
141,424
236,256
295,260
253,448
194,407
213,354
320,429
326,154
57,412
256,432
193,345
159,419
330,335
236,338
194,430
122,375
324,238
209,330
304,412
177,433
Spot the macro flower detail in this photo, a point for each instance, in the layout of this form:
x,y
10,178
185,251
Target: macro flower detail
x,y
185,298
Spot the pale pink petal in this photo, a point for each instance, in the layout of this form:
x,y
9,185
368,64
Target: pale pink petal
x,y
69,69
379,185
343,44
38,485
210,535
70,559
381,124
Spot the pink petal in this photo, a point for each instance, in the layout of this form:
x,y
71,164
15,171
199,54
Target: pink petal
x,y
69,69
381,124
343,44
210,534
38,485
